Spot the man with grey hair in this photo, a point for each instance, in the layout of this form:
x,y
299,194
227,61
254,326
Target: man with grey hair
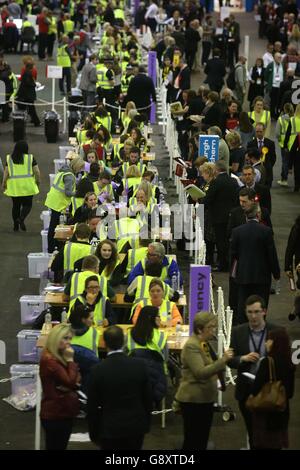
x,y
240,75
220,199
223,147
156,254
274,76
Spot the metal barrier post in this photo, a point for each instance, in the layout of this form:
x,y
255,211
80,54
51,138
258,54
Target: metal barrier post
x,y
65,114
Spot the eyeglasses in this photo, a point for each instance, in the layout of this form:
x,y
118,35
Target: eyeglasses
x,y
93,287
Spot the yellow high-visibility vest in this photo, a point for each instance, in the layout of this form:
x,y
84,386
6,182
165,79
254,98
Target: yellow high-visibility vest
x,y
21,181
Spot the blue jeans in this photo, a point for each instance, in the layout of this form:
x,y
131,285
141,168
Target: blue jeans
x,y
284,164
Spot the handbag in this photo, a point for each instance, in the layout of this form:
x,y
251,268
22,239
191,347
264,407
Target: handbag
x,y
272,396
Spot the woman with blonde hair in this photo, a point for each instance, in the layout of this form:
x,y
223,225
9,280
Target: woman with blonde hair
x,y
260,114
294,39
60,378
125,119
237,152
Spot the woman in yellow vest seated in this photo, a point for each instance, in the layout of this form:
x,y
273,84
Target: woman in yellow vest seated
x,y
144,194
146,342
138,289
84,342
138,139
110,267
130,183
101,117
149,176
21,182
93,299
260,114
82,206
123,153
88,126
103,188
157,299
125,119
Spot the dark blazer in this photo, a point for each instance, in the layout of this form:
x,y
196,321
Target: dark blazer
x,y
212,117
237,217
184,78
264,196
215,71
293,248
26,91
270,157
240,344
252,245
119,399
221,197
140,90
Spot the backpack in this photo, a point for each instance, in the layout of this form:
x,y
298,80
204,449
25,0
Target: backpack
x,y
231,78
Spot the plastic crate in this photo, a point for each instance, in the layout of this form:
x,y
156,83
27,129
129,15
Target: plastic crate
x,y
45,217
44,234
51,178
31,307
63,150
58,164
37,264
27,349
27,382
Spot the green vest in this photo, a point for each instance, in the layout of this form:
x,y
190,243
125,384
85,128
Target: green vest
x,y
99,309
164,310
76,203
73,251
68,26
141,166
131,182
56,198
125,121
283,124
89,340
104,121
21,181
52,26
81,136
78,283
106,189
127,230
295,130
135,255
265,118
26,24
142,290
102,80
157,343
117,148
119,14
63,58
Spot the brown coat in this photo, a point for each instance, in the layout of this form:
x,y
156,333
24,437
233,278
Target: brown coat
x,y
199,374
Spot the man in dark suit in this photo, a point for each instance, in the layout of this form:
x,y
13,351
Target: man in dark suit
x,y
215,71
255,260
220,199
119,398
140,90
269,158
248,343
262,192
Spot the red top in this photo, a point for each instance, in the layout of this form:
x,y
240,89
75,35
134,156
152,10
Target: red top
x,y
59,383
34,73
98,149
43,26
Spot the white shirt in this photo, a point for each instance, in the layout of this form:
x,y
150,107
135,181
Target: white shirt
x,y
267,58
152,11
277,75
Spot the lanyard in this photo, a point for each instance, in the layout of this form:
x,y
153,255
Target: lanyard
x,y
257,349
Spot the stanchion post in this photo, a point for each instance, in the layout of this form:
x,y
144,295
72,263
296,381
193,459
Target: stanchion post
x,y
13,104
37,441
65,114
53,94
246,47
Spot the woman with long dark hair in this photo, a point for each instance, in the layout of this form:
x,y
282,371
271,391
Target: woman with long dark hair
x,y
270,429
21,181
27,94
110,267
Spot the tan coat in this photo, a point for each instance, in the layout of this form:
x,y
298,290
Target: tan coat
x,y
199,380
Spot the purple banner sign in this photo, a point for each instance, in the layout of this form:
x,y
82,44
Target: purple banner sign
x,y
199,291
152,74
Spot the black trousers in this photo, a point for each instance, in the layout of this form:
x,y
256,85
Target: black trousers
x,y
197,421
190,58
66,76
21,207
123,443
297,171
50,44
42,44
30,108
206,48
274,95
222,245
248,421
57,433
54,221
244,291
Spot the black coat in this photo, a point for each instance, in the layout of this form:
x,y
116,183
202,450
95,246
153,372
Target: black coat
x,y
119,399
293,248
212,117
237,217
264,196
221,197
240,344
26,90
141,89
192,37
252,245
270,157
215,71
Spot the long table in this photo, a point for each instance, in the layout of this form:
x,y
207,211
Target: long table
x,y
175,342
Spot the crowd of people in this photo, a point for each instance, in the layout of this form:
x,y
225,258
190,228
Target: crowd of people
x,y
113,199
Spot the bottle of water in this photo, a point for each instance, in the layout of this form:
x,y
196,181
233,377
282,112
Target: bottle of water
x,y
61,219
64,315
169,320
174,282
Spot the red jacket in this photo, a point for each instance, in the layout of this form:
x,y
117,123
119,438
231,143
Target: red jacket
x,y
43,25
56,403
98,149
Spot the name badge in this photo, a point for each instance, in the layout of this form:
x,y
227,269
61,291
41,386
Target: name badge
x,y
258,81
277,78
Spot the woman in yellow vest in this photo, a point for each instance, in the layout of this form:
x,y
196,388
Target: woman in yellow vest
x,y
260,115
125,119
82,206
21,182
93,299
157,299
52,32
110,267
84,342
131,181
146,342
138,139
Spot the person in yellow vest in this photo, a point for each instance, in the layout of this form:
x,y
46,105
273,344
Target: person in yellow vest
x,y
27,35
146,342
52,33
106,81
102,117
121,151
126,78
125,119
82,206
103,188
138,290
68,24
110,267
292,143
157,299
59,196
130,183
85,342
125,232
134,159
93,299
150,176
135,255
64,61
260,115
280,132
21,182
119,14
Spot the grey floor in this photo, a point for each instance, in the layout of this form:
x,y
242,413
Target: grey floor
x,y
17,428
